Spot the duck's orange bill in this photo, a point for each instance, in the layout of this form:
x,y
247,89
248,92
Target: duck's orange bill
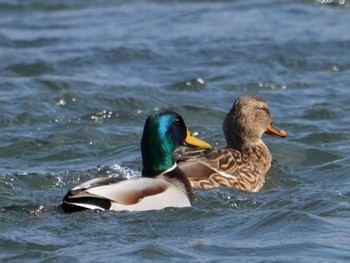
x,y
193,141
273,131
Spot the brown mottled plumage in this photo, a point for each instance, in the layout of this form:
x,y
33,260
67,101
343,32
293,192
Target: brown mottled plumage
x,y
246,159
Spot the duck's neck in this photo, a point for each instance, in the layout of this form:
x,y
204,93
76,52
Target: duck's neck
x,y
231,129
235,142
251,148
242,142
155,162
237,136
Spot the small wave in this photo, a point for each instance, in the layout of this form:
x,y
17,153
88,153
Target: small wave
x,y
118,171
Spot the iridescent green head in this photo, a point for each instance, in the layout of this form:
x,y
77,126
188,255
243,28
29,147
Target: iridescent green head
x,y
163,132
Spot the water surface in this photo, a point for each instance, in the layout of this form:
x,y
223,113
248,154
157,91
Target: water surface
x,y
78,80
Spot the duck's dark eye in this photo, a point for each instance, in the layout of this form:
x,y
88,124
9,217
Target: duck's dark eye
x,y
177,121
265,109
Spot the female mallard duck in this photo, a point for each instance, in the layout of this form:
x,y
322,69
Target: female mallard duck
x,y
162,183
246,159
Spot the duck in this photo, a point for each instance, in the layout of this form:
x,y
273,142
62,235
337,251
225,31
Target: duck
x,y
245,160
162,183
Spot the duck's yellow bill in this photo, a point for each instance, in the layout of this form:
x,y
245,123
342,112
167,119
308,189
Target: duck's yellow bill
x,y
193,141
273,131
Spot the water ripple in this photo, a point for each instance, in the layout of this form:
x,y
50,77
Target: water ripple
x,y
79,79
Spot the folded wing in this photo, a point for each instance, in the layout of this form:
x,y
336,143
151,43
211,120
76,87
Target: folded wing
x,y
131,195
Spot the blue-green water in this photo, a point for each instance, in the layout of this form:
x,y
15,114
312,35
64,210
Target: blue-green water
x,y
79,78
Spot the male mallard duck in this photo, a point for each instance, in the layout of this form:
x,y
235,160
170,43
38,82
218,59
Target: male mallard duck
x,y
246,159
162,183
